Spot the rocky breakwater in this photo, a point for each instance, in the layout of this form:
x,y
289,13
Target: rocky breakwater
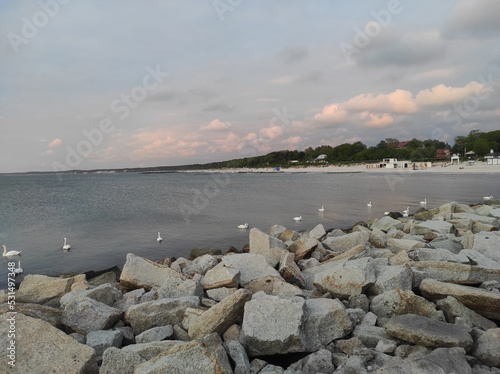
x,y
418,294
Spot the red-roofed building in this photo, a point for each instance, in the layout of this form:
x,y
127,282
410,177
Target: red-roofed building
x,y
402,145
443,153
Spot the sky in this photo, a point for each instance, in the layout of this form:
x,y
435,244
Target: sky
x,y
128,83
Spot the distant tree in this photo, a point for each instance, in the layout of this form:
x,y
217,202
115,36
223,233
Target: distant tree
x,y
415,144
481,147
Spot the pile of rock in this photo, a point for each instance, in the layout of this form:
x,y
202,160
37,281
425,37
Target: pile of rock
x,y
409,295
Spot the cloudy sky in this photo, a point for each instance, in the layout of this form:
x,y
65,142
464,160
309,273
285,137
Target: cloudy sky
x,y
123,83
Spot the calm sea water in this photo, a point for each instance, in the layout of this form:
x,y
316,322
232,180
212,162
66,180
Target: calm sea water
x,y
106,216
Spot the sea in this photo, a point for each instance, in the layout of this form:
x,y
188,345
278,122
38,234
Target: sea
x,y
105,216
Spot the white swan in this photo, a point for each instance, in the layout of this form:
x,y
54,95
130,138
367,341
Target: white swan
x,y
407,210
369,204
10,253
486,198
322,209
18,270
297,218
159,238
423,203
66,246
245,226
387,213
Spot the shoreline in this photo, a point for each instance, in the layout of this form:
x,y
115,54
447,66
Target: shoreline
x,y
478,168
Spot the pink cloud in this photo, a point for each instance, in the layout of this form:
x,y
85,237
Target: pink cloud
x,y
292,142
398,102
331,113
54,143
441,94
216,125
379,122
271,132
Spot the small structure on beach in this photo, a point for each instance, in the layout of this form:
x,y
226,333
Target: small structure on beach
x,y
492,158
454,158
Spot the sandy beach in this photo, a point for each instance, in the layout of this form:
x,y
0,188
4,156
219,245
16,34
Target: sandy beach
x,y
462,168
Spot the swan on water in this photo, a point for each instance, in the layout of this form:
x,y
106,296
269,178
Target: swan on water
x,y
486,198
10,253
66,246
322,209
18,270
159,238
407,210
387,213
369,204
423,203
244,226
297,218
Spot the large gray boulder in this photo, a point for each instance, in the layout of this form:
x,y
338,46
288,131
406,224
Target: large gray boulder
x,y
317,232
488,348
221,276
303,247
158,312
391,278
238,355
370,336
428,332
103,339
41,289
453,308
155,334
42,348
396,245
385,223
139,272
477,258
222,315
326,321
45,313
345,242
268,246
290,271
273,325
176,287
251,266
200,265
484,302
317,362
398,302
341,279
439,227
204,356
105,293
488,243
86,315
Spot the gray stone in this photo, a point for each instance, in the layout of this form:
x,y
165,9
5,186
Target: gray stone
x,y
307,264
250,266
317,362
441,360
317,232
439,227
484,302
290,271
41,289
42,348
86,315
116,360
204,356
303,247
105,293
102,340
476,218
273,325
326,320
488,348
345,242
158,313
219,317
268,246
488,243
435,254
398,302
396,245
493,213
108,277
191,315
288,236
450,243
385,223
370,335
200,265
275,230
428,332
341,279
219,294
238,355
391,278
139,272
378,238
46,313
221,276
152,349
175,287
453,308
386,346
274,286
272,369
155,334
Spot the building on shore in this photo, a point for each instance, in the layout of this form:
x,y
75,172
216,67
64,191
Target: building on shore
x,y
393,163
492,158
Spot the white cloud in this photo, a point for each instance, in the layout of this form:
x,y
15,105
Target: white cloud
x,y
216,125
